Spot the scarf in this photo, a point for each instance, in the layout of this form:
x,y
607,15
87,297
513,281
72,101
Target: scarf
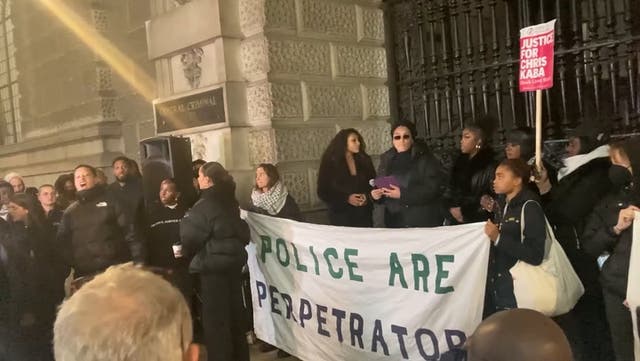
x,y
573,163
271,201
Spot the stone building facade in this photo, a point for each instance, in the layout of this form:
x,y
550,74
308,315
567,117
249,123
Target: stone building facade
x,y
69,105
292,72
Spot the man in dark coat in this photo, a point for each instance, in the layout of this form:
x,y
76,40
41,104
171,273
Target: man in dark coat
x,y
127,188
581,184
96,232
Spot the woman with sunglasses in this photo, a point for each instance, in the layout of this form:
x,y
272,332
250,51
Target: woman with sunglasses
x,y
343,180
411,196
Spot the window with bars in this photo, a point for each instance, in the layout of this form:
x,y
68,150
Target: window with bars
x,y
10,129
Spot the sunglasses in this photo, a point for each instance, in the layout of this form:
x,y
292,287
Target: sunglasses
x,y
398,137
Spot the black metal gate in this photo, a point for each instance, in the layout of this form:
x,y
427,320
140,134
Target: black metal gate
x,y
453,61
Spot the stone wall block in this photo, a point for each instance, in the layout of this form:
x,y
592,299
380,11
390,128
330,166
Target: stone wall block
x,y
373,24
259,103
302,144
262,148
252,16
299,57
280,14
360,61
255,58
329,18
332,101
298,186
377,101
287,100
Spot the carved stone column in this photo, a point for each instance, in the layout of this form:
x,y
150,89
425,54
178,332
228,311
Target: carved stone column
x,y
312,68
294,73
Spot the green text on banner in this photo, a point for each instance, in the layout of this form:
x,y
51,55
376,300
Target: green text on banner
x,y
335,293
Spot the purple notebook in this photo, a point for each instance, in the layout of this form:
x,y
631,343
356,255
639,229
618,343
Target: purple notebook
x,y
386,182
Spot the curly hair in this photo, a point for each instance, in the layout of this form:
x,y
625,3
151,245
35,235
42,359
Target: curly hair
x,y
338,147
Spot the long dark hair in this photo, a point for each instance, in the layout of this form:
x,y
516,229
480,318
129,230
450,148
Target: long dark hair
x,y
29,202
272,172
61,181
337,149
224,187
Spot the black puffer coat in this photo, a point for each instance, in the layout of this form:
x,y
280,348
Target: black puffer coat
x,y
214,235
471,178
97,232
598,237
422,182
567,207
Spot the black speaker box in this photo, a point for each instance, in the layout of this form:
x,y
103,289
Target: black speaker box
x,y
166,157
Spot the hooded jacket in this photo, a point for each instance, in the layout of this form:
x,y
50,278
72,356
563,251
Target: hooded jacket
x,y
581,185
599,237
97,232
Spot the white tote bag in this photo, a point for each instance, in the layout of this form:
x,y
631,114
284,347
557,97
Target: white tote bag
x,y
551,288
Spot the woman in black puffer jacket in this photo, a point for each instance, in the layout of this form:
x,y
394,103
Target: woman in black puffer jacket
x,y
215,236
417,200
609,231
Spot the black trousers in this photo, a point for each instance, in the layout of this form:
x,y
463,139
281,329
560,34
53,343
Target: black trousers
x,y
223,317
621,326
587,329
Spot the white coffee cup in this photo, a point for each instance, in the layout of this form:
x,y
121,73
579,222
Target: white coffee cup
x,y
177,250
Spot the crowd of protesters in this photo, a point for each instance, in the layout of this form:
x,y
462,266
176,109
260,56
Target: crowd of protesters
x,y
80,226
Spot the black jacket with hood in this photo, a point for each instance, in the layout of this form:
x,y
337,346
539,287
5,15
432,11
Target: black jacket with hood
x,y
599,237
569,203
97,232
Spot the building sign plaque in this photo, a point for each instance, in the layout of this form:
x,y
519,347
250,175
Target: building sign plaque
x,y
190,111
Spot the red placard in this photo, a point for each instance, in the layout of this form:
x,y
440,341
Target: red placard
x,y
536,57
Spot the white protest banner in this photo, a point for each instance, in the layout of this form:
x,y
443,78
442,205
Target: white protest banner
x,y
536,57
633,288
336,293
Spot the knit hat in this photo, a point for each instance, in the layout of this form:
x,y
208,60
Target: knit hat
x,y
592,134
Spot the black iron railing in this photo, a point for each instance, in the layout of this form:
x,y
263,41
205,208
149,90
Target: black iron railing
x,y
453,61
